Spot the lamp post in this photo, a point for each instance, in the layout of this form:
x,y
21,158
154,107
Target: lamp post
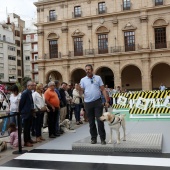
x,y
115,42
89,45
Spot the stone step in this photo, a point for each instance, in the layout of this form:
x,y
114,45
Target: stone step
x,y
141,142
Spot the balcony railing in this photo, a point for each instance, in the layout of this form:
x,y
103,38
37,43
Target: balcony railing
x,y
101,11
51,18
77,15
158,2
160,45
89,52
126,6
52,56
76,53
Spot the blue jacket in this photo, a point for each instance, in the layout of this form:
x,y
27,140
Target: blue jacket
x,y
26,104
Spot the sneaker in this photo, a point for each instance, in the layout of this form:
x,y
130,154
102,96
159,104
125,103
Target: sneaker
x,y
103,142
93,141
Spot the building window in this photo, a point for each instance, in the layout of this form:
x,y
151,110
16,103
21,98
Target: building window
x,y
12,67
129,41
126,4
27,58
10,57
52,15
18,62
160,38
4,38
77,11
158,2
103,43
78,46
101,8
1,65
53,48
27,67
1,75
19,72
11,48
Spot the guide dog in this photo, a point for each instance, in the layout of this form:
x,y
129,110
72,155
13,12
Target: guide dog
x,y
115,122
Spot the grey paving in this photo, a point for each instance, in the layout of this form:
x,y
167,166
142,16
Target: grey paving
x,y
65,141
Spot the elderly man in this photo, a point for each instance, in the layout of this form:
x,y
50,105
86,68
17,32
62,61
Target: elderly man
x,y
92,86
53,103
26,108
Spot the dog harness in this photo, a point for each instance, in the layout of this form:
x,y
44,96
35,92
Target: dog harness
x,y
119,121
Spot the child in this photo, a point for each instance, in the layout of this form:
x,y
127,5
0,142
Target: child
x,y
13,135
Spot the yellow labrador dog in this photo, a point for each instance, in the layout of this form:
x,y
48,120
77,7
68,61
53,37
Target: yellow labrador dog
x,y
115,122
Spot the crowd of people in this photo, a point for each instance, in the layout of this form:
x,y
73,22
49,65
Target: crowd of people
x,y
43,106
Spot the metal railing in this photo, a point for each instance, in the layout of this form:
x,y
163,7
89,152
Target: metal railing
x,y
101,11
51,18
160,45
77,15
52,56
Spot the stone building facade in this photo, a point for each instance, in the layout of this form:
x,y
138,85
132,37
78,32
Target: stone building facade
x,y
127,41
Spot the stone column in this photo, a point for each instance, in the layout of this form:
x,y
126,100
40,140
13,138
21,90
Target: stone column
x,y
144,29
40,42
66,71
117,74
41,75
146,74
64,36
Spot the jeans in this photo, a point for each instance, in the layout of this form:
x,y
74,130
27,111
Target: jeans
x,y
14,118
77,112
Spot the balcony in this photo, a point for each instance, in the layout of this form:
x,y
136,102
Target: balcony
x,y
35,70
52,18
77,15
12,80
126,6
158,2
34,50
101,11
75,53
160,45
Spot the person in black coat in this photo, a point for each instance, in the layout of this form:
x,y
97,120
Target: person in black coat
x,y
26,108
63,101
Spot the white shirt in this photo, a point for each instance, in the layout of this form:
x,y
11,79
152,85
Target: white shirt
x,y
39,101
14,102
162,87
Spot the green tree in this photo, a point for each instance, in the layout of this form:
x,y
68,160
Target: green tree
x,y
24,81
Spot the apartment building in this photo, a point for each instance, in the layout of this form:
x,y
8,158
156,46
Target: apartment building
x,y
8,55
30,53
18,25
127,41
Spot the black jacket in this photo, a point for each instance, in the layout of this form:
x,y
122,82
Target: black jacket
x,y
63,101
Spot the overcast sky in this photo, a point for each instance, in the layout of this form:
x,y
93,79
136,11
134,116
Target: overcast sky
x,y
24,8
